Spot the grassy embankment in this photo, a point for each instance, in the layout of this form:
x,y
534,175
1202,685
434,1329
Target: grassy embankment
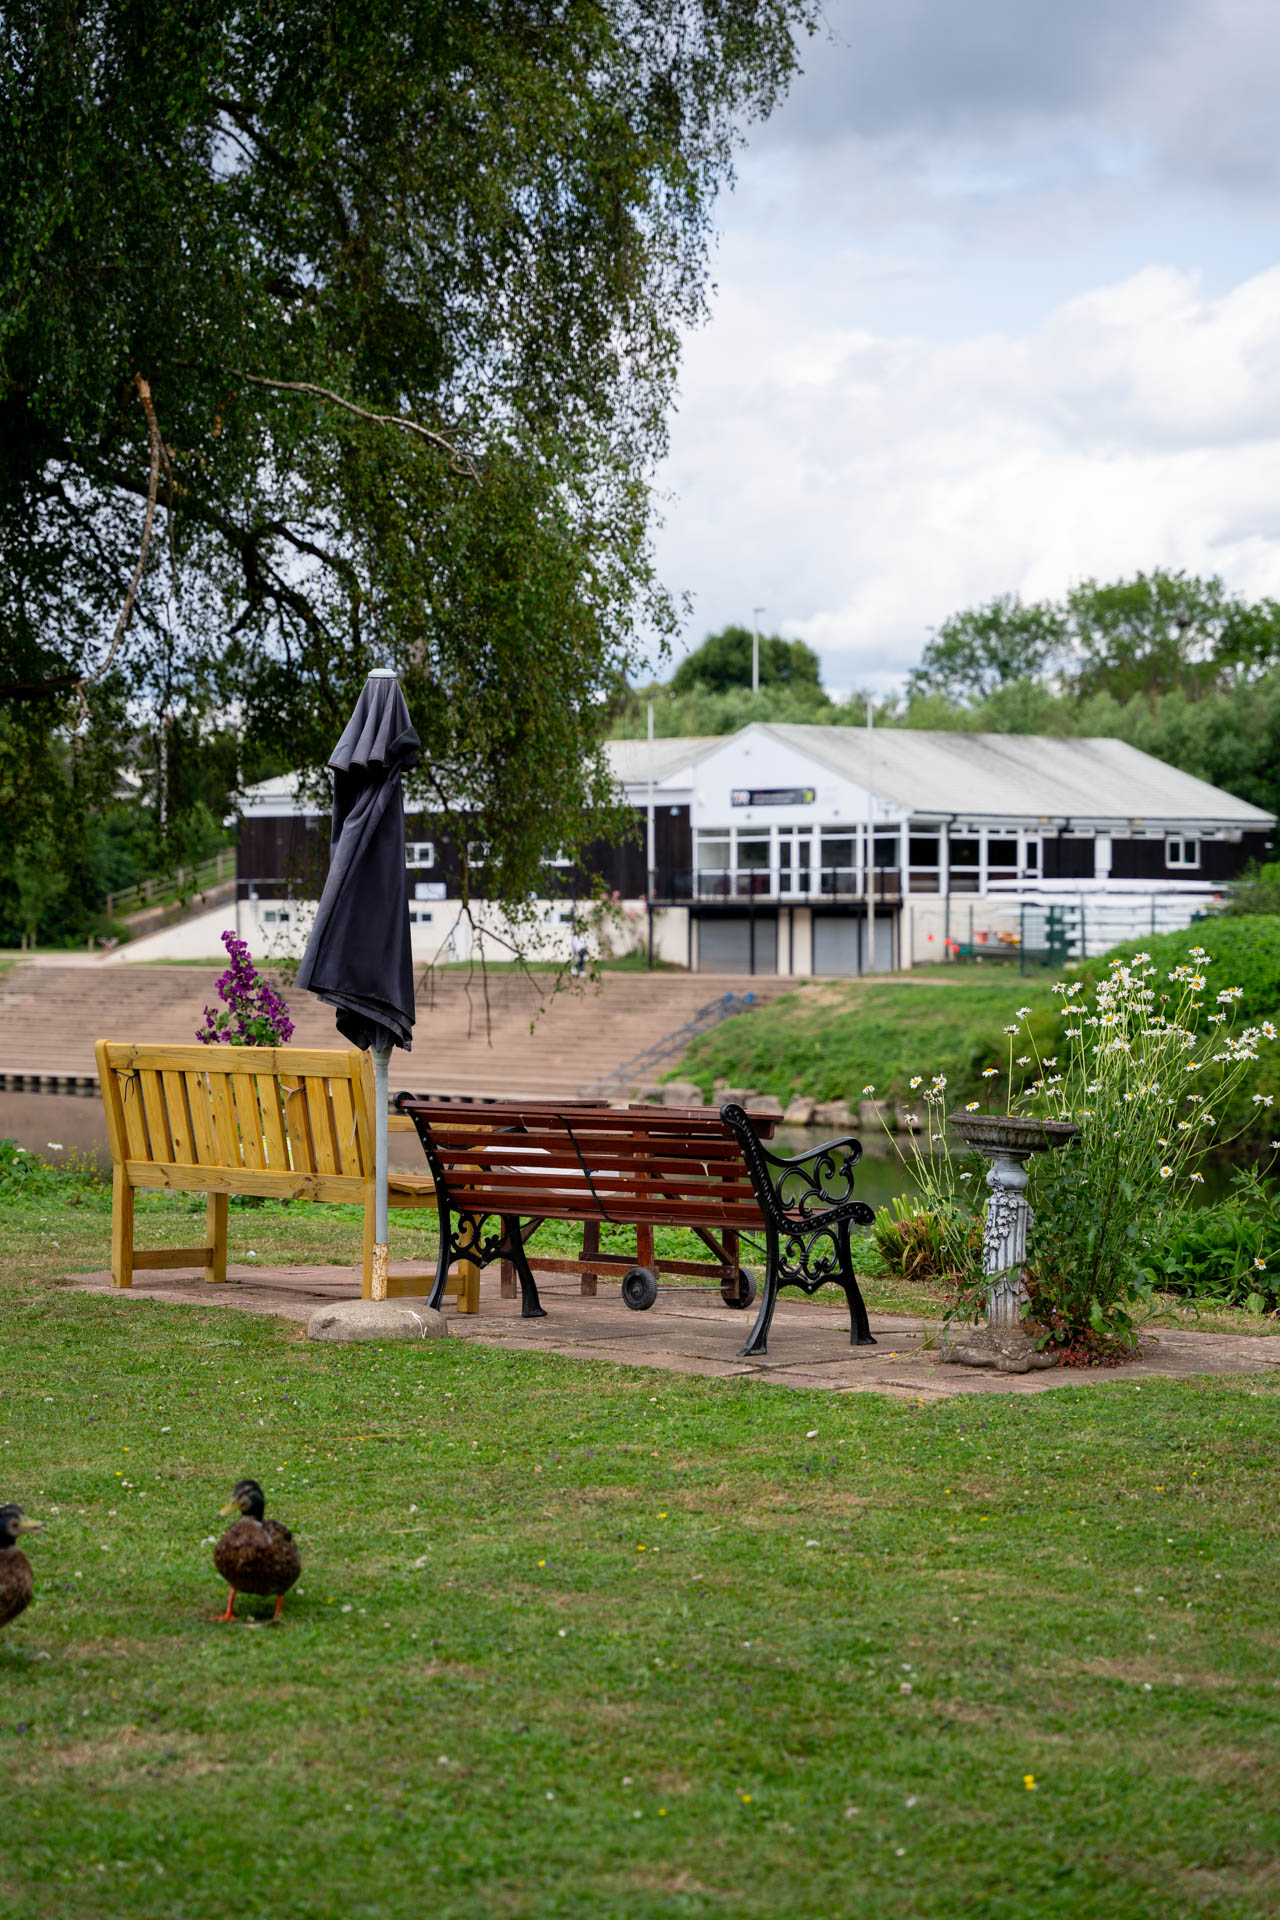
x,y
830,1039
579,1640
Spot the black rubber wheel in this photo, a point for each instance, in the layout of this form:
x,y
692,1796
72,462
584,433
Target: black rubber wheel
x,y
746,1290
639,1288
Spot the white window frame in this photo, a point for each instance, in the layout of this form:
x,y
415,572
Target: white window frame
x,y
419,853
1175,851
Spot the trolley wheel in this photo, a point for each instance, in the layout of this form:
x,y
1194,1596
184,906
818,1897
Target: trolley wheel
x,y
639,1288
745,1293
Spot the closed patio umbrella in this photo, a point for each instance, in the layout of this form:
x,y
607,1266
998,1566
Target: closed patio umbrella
x,y
359,958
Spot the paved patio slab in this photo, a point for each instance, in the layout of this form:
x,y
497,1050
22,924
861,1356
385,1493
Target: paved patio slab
x,y
692,1332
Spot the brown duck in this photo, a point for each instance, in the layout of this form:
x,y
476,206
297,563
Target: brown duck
x,y
255,1555
16,1583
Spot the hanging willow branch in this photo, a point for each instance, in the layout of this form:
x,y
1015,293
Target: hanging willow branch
x,y
153,487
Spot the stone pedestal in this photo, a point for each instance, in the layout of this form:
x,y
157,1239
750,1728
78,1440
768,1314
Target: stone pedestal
x,y
1008,1143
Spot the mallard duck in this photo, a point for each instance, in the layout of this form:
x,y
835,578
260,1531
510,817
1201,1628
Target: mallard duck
x,y
255,1555
16,1583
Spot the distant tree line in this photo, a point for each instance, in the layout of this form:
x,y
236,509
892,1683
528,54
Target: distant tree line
x,y
1176,665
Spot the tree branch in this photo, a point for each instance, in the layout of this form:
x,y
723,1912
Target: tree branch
x,y
460,463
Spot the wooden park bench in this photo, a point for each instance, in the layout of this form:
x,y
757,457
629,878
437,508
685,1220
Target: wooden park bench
x,y
500,1177
284,1123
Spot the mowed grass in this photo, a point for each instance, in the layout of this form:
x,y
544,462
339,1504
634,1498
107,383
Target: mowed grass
x,y
580,1640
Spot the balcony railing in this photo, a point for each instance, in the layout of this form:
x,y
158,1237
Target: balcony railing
x,y
791,887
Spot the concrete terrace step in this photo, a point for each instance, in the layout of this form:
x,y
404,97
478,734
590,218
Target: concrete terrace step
x,y
516,1037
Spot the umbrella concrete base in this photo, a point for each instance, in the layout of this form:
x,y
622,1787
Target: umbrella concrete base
x,y
347,1321
1006,1349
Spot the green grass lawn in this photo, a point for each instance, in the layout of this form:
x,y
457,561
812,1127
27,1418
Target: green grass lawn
x,y
575,1640
828,1039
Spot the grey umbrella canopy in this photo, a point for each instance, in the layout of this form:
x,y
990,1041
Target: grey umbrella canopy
x,y
359,957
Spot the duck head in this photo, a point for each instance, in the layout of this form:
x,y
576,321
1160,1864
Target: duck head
x,y
248,1499
14,1521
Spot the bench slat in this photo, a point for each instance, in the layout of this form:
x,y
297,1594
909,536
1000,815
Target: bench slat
x,y
265,1181
244,1093
584,1121
344,1120
272,1125
620,1146
175,1106
224,1119
657,1212
135,1122
510,1151
159,1143
291,1061
659,1192
297,1123
321,1123
201,1119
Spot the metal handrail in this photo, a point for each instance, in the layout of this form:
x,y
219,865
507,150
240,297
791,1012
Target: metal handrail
x,y
672,1044
161,889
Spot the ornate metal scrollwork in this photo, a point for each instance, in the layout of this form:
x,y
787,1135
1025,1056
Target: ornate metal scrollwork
x,y
808,1207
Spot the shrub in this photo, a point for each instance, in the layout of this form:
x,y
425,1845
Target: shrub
x,y
254,1015
1227,1254
1145,1074
917,1243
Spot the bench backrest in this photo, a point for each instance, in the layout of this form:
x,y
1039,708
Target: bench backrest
x,y
659,1166
258,1110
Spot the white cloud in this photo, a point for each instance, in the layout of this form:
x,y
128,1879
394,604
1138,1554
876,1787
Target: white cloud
x,y
862,485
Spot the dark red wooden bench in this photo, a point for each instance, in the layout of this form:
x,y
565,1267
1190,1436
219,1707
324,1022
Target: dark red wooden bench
x,y
502,1172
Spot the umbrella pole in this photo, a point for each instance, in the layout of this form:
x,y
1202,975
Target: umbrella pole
x,y
381,1064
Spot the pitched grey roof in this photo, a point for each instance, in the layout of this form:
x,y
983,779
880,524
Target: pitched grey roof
x,y
1027,776
629,759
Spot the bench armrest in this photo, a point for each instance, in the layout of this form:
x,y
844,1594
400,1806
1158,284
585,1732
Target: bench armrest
x,y
809,1192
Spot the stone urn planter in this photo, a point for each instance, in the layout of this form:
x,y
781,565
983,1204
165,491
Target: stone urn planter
x,y
1008,1142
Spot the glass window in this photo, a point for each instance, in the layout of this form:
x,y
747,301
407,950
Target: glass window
x,y
837,852
1031,856
964,853
922,850
419,853
753,851
713,851
1002,853
1181,852
887,846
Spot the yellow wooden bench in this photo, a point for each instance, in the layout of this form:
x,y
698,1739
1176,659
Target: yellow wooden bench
x,y
286,1123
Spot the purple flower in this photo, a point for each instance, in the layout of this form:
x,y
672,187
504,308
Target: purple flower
x,y
254,1014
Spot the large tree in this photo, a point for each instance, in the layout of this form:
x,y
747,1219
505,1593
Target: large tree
x,y
333,334
723,663
1160,632
976,652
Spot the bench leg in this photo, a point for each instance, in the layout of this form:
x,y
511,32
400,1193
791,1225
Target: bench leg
x,y
644,1247
590,1245
121,1229
758,1338
507,1280
215,1263
531,1308
860,1334
468,1287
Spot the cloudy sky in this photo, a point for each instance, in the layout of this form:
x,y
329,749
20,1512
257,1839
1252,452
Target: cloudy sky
x,y
997,307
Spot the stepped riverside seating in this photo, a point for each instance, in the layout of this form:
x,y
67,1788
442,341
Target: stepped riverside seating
x,y
500,1177
287,1123
501,1037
